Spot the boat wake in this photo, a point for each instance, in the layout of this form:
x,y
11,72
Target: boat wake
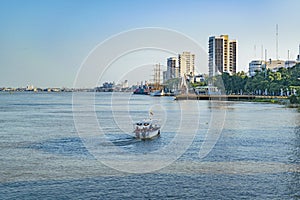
x,y
130,140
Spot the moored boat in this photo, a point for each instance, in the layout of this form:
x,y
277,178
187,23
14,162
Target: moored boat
x,y
158,93
143,91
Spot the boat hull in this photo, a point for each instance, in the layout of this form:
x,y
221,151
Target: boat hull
x,y
158,93
144,135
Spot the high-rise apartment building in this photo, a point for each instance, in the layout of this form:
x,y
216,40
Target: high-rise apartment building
x,y
172,68
179,66
232,56
186,62
222,55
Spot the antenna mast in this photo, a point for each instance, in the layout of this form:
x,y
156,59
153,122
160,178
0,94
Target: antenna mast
x,y
277,41
265,63
298,57
288,58
262,52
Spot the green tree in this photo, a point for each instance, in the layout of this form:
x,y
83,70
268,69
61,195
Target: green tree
x,y
273,82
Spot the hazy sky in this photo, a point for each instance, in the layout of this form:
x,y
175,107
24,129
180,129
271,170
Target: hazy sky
x,y
45,42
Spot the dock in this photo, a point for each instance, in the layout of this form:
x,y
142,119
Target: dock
x,y
225,97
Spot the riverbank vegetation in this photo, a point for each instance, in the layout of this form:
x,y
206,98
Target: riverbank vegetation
x,y
283,82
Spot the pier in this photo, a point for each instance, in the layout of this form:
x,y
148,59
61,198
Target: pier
x,y
225,97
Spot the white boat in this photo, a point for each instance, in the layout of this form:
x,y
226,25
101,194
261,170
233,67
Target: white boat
x,y
158,93
146,129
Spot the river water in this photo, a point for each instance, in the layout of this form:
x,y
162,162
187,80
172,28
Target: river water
x,y
49,148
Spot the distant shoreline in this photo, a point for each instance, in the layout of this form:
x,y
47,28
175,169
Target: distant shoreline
x,y
258,98
283,100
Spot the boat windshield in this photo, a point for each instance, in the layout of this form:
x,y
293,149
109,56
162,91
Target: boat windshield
x,y
146,124
139,124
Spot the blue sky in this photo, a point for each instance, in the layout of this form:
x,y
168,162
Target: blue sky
x,y
44,42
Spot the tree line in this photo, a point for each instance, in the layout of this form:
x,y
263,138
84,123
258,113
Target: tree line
x,y
283,82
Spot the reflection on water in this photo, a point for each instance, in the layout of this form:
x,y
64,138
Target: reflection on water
x,y
256,157
294,181
295,156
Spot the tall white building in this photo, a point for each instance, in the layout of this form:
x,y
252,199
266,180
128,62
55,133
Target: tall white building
x,y
186,62
222,55
172,68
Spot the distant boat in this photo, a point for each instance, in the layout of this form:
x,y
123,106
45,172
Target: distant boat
x,y
146,129
143,91
158,93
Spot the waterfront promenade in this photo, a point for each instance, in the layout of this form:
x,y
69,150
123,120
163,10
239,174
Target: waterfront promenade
x,y
225,97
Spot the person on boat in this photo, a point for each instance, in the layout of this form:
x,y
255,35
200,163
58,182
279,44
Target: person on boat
x,y
150,127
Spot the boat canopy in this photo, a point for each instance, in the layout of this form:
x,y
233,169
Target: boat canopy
x,y
143,123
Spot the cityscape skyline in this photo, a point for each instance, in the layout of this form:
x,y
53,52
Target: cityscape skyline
x,y
44,43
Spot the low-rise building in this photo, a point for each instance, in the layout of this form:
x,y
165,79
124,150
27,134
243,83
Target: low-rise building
x,y
290,63
260,65
274,65
256,66
199,78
